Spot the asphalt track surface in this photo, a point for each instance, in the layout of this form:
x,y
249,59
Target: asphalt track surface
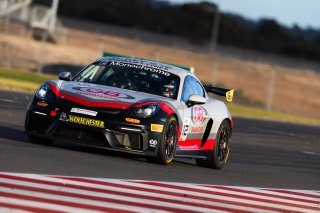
x,y
263,154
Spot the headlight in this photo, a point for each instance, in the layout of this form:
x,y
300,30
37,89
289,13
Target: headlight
x,y
145,111
44,92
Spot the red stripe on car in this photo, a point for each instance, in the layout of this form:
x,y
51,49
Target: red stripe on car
x,y
195,144
85,102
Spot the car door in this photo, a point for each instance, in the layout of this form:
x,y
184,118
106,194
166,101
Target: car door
x,y
195,118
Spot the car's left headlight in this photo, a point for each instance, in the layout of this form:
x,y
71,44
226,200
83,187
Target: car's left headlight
x,y
44,92
145,111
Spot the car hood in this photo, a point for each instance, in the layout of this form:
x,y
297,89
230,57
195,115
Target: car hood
x,y
99,95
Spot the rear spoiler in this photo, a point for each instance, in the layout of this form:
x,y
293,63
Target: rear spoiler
x,y
228,93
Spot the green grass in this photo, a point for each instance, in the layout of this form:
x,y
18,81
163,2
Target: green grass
x,y
22,80
238,110
30,81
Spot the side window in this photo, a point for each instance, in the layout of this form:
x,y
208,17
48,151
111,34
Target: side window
x,y
199,88
191,87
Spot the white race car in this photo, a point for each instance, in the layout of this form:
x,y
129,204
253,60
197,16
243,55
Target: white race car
x,y
134,105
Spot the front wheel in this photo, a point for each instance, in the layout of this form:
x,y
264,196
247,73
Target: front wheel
x,y
221,148
168,142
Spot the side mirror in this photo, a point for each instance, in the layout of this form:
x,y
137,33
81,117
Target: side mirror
x,y
66,76
196,99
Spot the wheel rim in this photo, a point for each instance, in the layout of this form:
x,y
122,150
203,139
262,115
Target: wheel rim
x,y
170,140
223,146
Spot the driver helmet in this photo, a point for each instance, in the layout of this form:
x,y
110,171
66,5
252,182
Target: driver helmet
x,y
169,89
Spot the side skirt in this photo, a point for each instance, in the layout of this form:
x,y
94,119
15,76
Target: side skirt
x,y
194,154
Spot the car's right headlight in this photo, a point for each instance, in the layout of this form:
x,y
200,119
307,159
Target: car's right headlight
x,y
44,92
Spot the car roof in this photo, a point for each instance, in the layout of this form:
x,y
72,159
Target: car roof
x,y
148,63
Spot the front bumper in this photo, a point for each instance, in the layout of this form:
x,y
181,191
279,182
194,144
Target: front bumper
x,y
116,134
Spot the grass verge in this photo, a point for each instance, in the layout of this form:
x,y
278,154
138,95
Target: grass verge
x,y
22,80
29,81
238,110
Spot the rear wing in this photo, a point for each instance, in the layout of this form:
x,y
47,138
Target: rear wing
x,y
228,93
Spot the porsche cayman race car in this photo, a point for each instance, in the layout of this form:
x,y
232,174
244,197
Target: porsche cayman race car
x,y
134,105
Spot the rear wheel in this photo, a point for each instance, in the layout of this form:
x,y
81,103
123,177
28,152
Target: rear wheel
x,y
40,140
168,142
221,148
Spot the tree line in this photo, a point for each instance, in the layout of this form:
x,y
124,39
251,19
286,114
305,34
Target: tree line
x,y
194,21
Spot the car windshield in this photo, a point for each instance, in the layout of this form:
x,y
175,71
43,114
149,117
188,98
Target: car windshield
x,y
133,77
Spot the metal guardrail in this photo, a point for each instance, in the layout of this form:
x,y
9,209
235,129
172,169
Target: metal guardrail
x,y
41,19
9,6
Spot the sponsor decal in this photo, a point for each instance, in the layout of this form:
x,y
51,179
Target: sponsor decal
x,y
99,93
229,95
185,128
156,128
81,120
153,143
132,120
42,104
198,114
86,121
84,111
138,61
150,67
64,117
197,129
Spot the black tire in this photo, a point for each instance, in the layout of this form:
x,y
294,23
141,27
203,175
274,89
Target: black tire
x,y
168,142
221,148
40,140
